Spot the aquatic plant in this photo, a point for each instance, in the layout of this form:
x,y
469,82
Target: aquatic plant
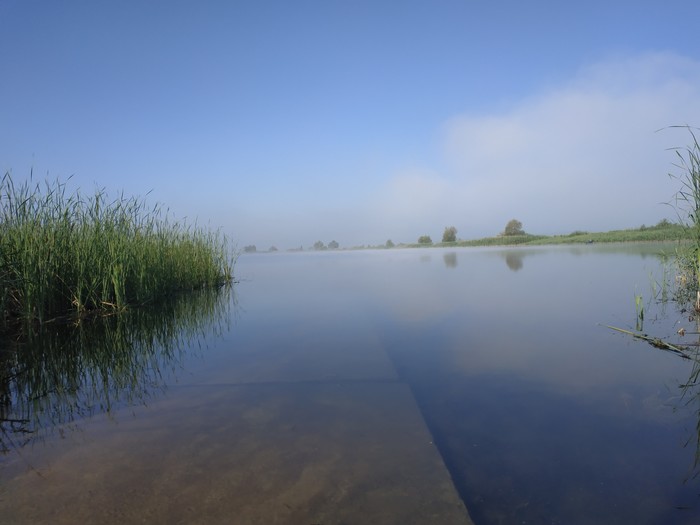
x,y
639,306
687,282
64,255
687,204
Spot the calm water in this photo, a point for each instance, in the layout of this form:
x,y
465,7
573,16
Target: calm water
x,y
353,362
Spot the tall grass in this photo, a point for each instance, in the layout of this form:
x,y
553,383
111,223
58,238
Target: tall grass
x,y
687,203
64,254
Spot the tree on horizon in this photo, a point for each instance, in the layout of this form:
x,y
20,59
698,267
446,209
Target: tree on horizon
x,y
450,234
514,227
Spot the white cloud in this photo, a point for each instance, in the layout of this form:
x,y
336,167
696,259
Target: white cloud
x,y
583,156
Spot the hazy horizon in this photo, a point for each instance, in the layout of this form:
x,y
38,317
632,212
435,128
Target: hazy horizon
x,y
288,123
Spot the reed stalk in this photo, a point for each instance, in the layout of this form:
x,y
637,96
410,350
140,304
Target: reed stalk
x,y
687,204
65,255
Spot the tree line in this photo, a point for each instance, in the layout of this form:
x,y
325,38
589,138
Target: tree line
x,y
513,227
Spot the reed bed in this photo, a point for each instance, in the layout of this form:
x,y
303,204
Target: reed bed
x,y
687,204
64,255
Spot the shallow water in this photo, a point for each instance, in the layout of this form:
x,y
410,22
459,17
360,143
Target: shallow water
x,y
354,387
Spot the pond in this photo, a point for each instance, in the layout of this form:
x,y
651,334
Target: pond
x,y
389,386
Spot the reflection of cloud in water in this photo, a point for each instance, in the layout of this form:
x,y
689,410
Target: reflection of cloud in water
x,y
450,259
537,322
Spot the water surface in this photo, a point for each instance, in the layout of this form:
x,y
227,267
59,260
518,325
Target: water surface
x,y
346,384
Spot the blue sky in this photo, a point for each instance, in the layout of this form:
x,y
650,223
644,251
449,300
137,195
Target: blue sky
x,y
284,123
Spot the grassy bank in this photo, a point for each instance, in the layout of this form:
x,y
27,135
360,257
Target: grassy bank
x,y
662,232
64,254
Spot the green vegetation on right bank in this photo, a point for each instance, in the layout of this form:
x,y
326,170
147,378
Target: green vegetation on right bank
x,y
688,206
663,231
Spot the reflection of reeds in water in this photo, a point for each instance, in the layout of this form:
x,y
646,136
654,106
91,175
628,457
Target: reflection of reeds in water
x,y
64,372
690,396
690,389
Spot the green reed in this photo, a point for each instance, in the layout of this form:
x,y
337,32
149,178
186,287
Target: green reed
x,y
639,307
63,254
687,203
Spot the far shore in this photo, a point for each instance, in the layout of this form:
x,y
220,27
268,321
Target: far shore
x,y
664,231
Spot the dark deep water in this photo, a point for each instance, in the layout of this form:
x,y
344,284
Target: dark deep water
x,y
540,413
